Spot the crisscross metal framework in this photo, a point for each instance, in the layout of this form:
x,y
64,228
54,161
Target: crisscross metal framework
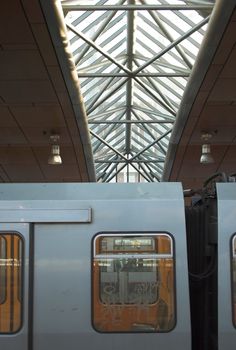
x,y
133,60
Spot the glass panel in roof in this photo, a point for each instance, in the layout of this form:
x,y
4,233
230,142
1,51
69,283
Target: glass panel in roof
x,y
133,59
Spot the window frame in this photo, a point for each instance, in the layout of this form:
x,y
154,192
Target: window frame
x,y
2,238
232,256
172,255
21,287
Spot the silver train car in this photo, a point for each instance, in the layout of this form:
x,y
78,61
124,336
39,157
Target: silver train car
x,y
117,267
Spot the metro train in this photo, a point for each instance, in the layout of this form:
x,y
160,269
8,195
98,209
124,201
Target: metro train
x,y
118,266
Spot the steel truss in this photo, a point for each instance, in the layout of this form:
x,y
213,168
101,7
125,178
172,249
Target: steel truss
x,y
133,59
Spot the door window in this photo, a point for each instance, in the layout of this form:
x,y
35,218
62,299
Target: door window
x,y
3,255
234,278
11,247
133,283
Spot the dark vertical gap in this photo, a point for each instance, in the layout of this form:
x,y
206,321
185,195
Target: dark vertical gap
x,y
213,277
195,234
202,264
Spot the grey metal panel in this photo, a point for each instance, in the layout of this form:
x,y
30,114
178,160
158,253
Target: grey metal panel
x,y
48,214
86,192
226,227
19,341
62,300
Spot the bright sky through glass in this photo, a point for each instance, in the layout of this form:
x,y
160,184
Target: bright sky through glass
x,y
133,65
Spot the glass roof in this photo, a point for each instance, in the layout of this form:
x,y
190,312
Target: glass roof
x,y
133,60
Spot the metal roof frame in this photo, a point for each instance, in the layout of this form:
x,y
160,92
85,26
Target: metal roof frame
x,y
133,62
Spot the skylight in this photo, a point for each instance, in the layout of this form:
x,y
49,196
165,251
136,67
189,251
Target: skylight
x,y
133,60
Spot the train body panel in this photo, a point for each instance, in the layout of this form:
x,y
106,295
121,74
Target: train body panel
x,y
106,266
226,265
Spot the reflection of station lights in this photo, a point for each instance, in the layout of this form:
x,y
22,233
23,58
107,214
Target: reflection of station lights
x,y
104,264
10,262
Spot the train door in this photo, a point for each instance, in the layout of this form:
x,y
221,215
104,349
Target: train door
x,y
14,277
116,277
226,194
130,301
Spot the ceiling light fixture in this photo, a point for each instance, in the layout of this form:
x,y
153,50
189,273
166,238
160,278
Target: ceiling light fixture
x,y
55,158
206,156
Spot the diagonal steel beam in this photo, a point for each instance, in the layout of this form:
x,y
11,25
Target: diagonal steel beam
x,y
108,132
105,168
173,44
108,145
98,32
156,88
105,113
107,178
168,35
163,103
144,173
151,144
163,64
144,126
98,95
150,112
100,62
97,48
154,85
117,88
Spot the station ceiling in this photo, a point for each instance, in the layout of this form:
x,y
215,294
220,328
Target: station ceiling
x,y
40,95
35,102
208,106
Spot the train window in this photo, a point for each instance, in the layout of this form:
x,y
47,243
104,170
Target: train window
x,y
19,271
2,270
11,247
234,278
133,283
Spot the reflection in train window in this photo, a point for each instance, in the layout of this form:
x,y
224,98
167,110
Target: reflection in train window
x,y
234,278
19,271
2,270
10,282
133,283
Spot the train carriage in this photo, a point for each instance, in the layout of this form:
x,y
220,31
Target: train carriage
x,y
85,265
117,266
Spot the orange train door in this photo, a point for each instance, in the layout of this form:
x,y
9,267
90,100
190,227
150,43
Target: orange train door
x,y
14,276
